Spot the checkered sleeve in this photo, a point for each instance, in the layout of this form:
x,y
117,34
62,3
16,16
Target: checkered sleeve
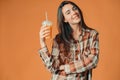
x,y
88,62
50,60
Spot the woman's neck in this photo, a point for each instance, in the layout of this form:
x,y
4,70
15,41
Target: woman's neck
x,y
76,31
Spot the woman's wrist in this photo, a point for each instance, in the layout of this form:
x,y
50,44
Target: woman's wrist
x,y
42,43
42,46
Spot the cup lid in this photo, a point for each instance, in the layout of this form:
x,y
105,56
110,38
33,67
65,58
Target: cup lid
x,y
46,22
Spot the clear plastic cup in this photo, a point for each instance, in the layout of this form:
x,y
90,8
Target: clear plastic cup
x,y
47,23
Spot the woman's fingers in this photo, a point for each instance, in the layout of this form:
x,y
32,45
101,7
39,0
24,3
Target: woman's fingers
x,y
44,27
44,32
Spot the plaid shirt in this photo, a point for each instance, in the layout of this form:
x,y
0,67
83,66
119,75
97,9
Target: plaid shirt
x,y
78,64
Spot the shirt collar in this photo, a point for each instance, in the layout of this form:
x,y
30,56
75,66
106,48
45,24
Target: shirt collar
x,y
80,37
82,32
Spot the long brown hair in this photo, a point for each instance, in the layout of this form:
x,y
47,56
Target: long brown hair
x,y
65,30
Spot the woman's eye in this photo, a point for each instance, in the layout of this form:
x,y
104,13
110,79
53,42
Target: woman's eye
x,y
68,12
75,8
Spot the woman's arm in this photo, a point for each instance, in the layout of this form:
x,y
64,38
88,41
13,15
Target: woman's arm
x,y
50,60
87,63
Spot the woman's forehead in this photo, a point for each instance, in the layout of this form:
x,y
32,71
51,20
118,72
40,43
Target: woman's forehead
x,y
67,7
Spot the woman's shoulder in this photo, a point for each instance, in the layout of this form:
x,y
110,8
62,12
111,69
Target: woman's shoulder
x,y
91,31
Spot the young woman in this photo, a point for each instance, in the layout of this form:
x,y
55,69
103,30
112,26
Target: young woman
x,y
75,48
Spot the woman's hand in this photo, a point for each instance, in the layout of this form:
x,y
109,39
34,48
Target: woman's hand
x,y
44,32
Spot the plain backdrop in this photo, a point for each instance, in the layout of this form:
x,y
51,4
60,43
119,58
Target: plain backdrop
x,y
20,22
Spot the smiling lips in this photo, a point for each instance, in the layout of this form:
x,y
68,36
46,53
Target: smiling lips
x,y
75,16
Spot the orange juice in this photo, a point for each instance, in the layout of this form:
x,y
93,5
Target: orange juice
x,y
47,23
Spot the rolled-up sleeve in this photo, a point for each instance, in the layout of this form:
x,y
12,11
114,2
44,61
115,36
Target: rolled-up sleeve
x,y
50,60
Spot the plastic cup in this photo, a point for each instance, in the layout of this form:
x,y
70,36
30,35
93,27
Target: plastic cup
x,y
47,23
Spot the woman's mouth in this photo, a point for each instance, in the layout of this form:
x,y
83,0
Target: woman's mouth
x,y
76,16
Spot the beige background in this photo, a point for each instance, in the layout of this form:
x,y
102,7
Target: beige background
x,y
20,21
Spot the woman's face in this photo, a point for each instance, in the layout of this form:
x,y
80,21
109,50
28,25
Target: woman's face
x,y
71,14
